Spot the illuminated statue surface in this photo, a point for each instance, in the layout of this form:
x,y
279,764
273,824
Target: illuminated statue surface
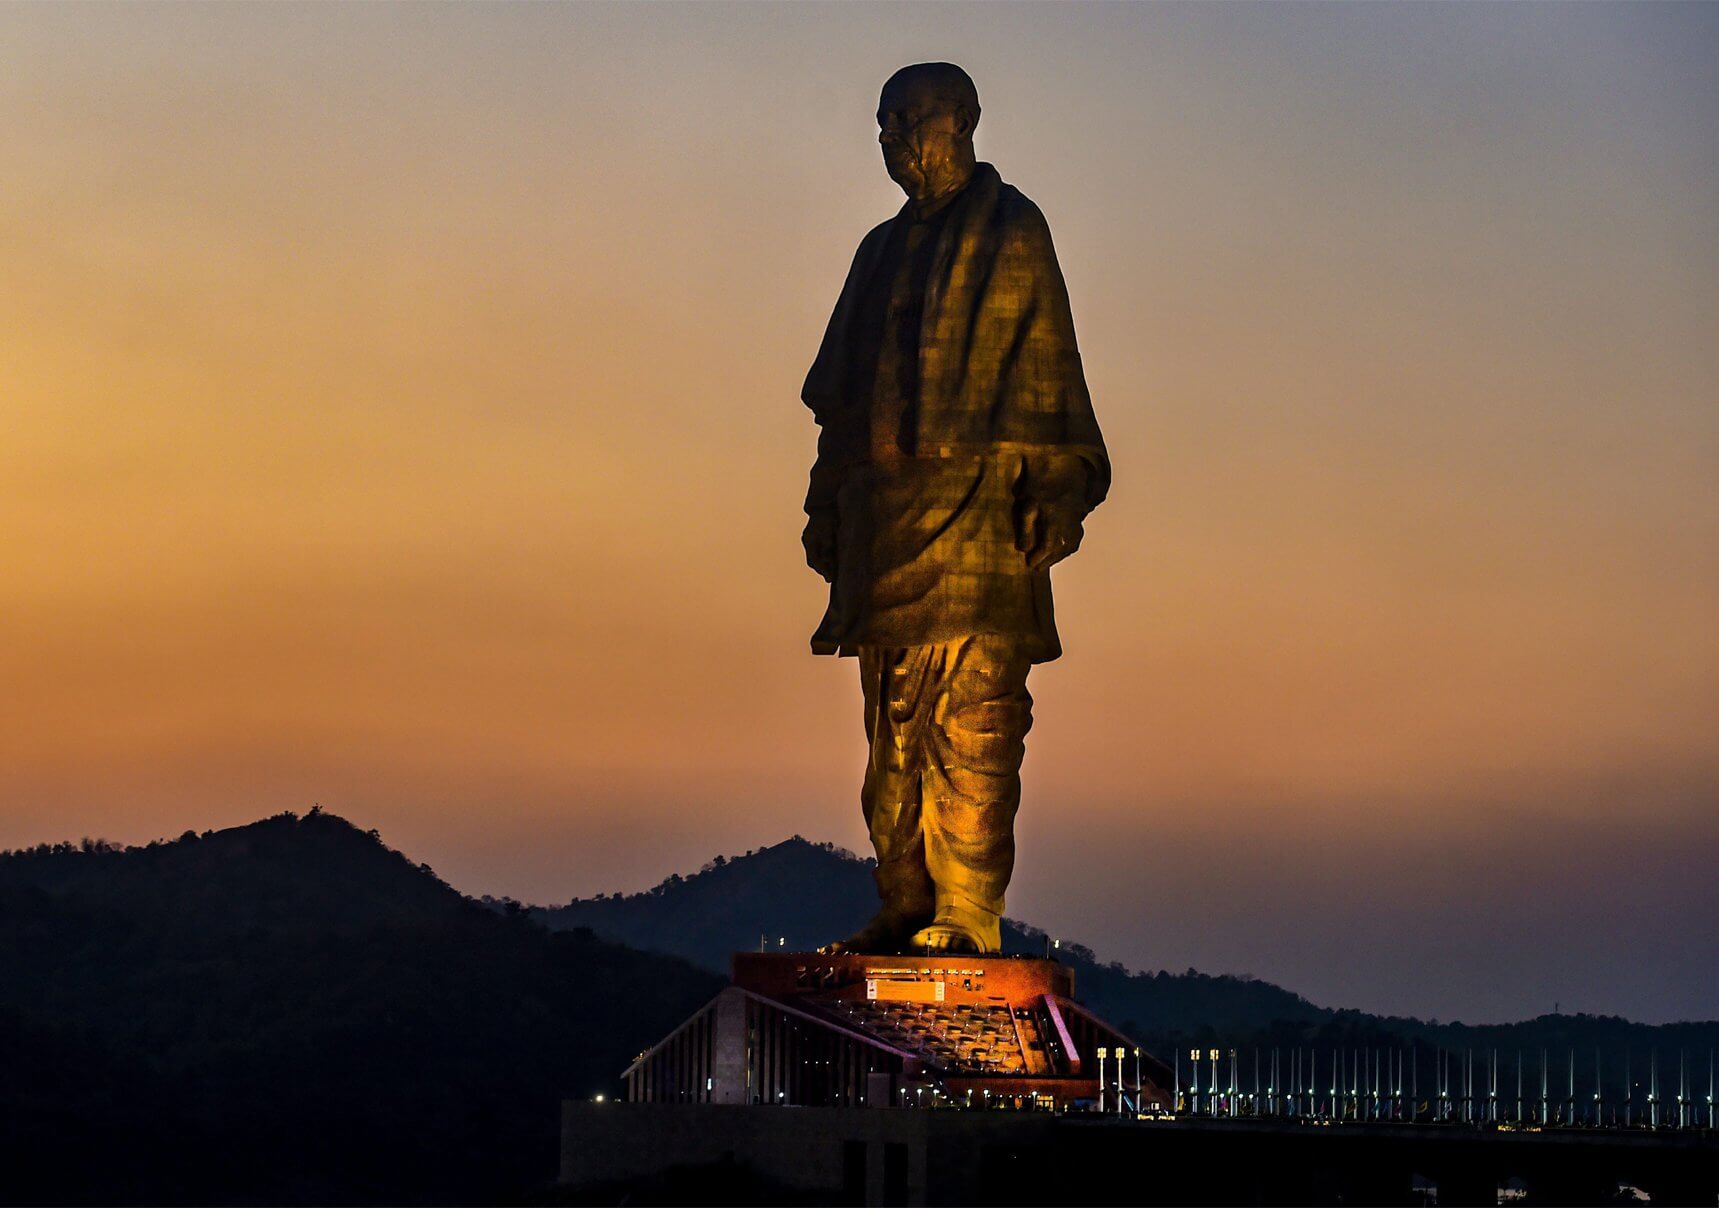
x,y
957,458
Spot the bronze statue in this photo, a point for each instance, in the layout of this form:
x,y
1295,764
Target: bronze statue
x,y
957,458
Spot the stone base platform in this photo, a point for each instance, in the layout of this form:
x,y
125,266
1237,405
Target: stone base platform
x,y
900,1031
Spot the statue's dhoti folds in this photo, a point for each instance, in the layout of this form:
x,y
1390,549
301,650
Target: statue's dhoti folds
x,y
947,724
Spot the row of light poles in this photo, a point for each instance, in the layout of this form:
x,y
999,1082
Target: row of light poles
x,y
1116,1096
1384,1084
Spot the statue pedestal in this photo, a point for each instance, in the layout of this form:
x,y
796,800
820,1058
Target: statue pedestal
x,y
956,978
900,1031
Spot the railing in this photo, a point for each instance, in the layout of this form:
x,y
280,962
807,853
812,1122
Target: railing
x,y
1420,1085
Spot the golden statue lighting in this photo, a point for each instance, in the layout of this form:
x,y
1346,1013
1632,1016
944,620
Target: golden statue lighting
x,y
957,458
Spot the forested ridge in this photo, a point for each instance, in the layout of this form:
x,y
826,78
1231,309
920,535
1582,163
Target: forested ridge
x,y
290,1012
804,893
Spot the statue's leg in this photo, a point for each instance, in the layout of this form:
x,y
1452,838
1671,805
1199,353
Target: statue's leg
x,y
892,679
972,788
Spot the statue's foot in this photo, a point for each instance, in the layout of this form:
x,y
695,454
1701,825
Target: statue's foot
x,y
886,934
945,937
960,926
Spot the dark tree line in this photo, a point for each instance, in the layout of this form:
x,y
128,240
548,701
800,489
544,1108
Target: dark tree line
x,y
292,1013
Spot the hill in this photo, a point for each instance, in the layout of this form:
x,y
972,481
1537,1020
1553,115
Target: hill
x,y
805,893
292,1012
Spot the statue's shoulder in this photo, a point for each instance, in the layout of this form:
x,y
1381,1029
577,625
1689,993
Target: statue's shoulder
x,y
875,237
1020,220
865,261
871,246
1014,204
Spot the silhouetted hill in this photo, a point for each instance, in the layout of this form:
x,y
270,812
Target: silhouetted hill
x,y
320,870
801,892
292,1012
806,893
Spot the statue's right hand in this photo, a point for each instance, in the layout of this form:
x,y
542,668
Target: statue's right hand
x,y
820,542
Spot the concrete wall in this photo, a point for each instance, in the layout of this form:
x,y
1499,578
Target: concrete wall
x,y
801,1147
958,1157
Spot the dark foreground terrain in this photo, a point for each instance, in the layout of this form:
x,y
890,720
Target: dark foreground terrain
x,y
291,1012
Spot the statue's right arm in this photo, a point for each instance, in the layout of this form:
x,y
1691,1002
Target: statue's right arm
x,y
822,527
823,394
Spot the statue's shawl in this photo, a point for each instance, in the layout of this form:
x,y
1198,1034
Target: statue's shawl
x,y
998,365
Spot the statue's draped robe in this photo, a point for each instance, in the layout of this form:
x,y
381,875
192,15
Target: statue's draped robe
x,y
953,415
951,405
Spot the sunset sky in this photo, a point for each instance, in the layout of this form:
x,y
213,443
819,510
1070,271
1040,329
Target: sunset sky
x,y
399,411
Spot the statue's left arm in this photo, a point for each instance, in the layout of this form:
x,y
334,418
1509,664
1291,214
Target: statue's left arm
x,y
1054,494
1061,482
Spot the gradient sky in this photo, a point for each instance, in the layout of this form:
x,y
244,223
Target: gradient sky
x,y
399,411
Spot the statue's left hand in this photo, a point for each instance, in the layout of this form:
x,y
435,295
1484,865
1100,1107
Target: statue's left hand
x,y
1048,534
820,541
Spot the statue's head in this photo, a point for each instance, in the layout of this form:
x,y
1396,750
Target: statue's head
x,y
925,121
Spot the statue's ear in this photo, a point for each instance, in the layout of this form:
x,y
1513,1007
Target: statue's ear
x,y
965,122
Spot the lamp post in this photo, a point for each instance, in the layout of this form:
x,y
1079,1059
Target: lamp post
x,y
1710,1090
1682,1088
1254,1099
1544,1121
1336,1078
1519,1086
1232,1084
1650,1117
1137,1091
1599,1090
1492,1092
1443,1086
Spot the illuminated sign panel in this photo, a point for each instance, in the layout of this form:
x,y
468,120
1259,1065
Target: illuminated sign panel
x,y
884,989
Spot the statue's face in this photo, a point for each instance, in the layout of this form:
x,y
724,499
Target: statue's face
x,y
922,135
